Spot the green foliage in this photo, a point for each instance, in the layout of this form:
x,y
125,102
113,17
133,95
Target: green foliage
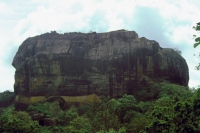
x,y
83,109
145,107
69,115
175,115
80,125
121,130
127,108
168,89
127,99
53,129
165,107
197,39
6,98
51,110
12,121
138,124
103,116
148,93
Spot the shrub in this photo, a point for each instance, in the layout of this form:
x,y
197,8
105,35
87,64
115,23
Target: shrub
x,y
6,98
168,89
51,110
13,121
80,125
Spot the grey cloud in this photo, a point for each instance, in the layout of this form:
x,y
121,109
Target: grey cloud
x,y
76,7
150,24
98,22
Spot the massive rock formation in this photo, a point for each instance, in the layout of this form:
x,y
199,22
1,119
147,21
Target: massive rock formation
x,y
78,64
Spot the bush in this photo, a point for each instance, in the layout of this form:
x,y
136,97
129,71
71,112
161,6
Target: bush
x,y
80,125
13,121
168,89
121,130
50,110
69,115
6,98
103,117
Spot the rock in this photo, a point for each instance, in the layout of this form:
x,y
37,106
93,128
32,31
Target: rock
x,y
42,120
48,122
36,116
80,64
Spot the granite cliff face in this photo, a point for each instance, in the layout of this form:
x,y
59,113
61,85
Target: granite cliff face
x,y
78,64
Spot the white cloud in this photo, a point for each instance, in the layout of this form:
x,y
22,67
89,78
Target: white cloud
x,y
194,81
7,77
66,16
181,34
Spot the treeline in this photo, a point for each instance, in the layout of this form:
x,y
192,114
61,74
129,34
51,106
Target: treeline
x,y
163,107
6,98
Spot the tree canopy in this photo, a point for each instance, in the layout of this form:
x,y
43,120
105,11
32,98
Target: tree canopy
x,y
197,38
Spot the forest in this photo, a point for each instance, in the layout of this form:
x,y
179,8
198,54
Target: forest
x,y
161,107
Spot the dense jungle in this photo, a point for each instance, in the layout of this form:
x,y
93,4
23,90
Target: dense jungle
x,y
162,107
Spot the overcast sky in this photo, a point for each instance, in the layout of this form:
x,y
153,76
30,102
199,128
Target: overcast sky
x,y
169,22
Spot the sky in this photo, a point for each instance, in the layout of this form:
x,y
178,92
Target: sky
x,y
169,22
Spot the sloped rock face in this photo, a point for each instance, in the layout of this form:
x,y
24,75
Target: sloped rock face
x,y
77,64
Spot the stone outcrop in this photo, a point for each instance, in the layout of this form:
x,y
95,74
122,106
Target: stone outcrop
x,y
80,64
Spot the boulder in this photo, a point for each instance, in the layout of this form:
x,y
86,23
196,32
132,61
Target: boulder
x,y
36,116
81,64
48,122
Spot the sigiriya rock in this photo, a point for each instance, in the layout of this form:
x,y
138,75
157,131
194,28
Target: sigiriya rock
x,y
85,64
